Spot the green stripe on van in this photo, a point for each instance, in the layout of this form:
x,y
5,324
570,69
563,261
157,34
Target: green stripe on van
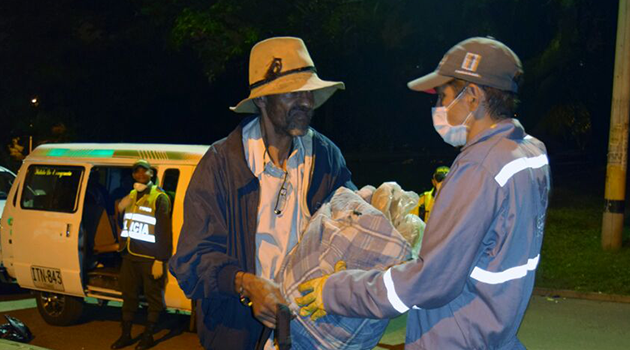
x,y
150,155
80,153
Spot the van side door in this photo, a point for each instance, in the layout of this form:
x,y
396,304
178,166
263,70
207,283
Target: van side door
x,y
46,231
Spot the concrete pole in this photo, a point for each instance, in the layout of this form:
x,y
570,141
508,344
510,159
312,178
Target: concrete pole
x,y
615,196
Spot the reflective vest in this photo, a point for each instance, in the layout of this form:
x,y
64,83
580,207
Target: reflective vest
x,y
139,221
425,204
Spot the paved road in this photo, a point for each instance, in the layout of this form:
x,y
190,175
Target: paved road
x,y
556,324
98,328
550,324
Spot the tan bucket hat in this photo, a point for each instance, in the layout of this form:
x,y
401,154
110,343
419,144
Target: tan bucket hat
x,y
282,65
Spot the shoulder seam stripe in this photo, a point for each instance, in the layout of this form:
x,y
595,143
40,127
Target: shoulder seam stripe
x,y
513,167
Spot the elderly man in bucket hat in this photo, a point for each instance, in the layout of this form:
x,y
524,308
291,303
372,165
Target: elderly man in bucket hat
x,y
470,286
252,194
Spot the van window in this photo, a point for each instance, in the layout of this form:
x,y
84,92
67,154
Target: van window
x,y
52,188
171,178
6,180
113,182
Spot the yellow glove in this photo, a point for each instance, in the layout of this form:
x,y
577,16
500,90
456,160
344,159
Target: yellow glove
x,y
157,270
312,304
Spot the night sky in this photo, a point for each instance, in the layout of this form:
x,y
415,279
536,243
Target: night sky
x,y
166,72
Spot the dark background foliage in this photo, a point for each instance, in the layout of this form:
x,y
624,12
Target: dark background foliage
x,y
167,70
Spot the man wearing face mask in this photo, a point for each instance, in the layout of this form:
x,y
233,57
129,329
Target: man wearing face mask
x,y
145,246
471,283
252,195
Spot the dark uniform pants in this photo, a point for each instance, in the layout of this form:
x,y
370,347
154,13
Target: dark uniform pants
x,y
134,275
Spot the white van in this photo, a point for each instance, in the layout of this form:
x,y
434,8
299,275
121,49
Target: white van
x,y
60,227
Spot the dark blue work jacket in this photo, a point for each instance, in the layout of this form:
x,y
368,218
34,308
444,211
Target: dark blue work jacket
x,y
218,236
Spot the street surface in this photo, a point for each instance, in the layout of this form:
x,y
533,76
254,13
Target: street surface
x,y
556,324
550,324
98,328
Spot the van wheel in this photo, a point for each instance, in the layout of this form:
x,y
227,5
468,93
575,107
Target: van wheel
x,y
59,309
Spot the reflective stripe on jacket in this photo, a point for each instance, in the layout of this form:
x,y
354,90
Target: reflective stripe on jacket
x,y
471,284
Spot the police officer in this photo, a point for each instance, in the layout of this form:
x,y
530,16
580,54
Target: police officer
x,y
146,244
425,204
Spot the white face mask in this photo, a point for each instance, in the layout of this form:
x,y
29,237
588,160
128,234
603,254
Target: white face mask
x,y
454,135
138,186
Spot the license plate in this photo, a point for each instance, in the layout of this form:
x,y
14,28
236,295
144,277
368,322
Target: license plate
x,y
47,278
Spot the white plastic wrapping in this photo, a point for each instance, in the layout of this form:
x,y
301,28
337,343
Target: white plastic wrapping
x,y
397,204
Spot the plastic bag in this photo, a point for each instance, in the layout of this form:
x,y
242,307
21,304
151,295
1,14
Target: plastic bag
x,y
15,330
382,199
412,228
397,204
366,193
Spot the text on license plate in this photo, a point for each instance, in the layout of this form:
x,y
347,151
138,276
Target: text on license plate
x,y
47,278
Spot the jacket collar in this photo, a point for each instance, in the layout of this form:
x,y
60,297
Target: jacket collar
x,y
510,128
236,155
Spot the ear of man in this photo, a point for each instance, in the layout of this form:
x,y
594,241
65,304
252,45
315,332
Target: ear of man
x,y
260,102
475,98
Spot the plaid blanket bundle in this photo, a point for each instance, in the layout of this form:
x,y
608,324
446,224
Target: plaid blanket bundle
x,y
350,229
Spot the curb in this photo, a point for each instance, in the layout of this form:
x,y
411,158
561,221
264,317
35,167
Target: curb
x,y
614,298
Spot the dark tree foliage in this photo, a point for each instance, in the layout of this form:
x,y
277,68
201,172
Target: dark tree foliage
x,y
377,45
166,71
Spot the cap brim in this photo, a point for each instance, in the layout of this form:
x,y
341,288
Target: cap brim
x,y
322,90
429,82
136,166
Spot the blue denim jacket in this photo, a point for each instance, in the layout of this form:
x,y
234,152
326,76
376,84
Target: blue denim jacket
x,y
218,236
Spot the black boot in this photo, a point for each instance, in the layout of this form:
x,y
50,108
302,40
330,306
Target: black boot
x,y
147,342
125,338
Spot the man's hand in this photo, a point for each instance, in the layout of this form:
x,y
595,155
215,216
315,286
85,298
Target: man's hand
x,y
124,203
264,296
312,304
157,270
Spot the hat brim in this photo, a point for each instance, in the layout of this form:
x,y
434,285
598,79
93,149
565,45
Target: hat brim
x,y
429,82
306,81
